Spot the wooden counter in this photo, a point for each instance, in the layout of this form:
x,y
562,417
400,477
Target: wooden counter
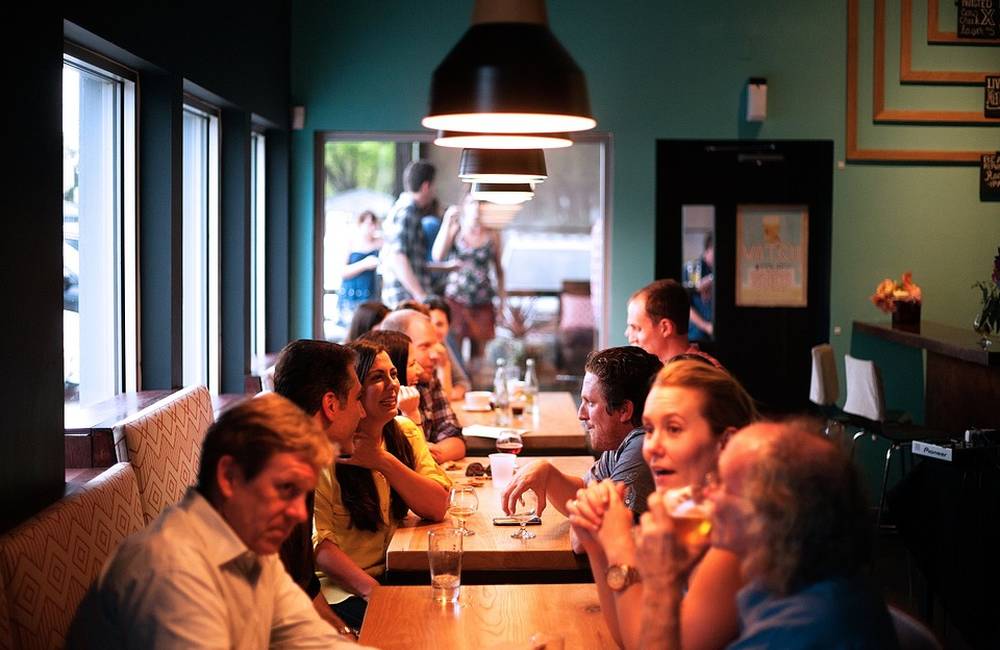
x,y
492,548
557,429
486,616
962,385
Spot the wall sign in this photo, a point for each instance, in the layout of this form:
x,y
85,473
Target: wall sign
x,y
989,177
772,251
978,19
991,96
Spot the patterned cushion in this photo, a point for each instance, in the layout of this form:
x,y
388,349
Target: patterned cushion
x,y
163,443
49,562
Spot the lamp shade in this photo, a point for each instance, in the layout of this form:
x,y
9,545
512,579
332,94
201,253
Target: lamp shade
x,y
502,166
509,77
502,193
467,140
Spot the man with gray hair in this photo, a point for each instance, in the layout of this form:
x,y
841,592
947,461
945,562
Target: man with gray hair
x,y
790,505
206,572
441,428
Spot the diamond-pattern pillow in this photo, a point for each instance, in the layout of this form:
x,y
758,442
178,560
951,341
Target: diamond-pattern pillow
x,y
163,443
49,562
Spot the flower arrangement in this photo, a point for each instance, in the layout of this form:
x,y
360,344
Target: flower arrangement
x,y
889,293
988,320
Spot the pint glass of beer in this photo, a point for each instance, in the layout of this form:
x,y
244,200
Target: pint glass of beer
x,y
692,515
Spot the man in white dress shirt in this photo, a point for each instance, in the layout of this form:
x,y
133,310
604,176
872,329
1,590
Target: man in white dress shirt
x,y
206,572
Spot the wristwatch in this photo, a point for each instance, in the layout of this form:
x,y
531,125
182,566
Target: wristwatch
x,y
621,576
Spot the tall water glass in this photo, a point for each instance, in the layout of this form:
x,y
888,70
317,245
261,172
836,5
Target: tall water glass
x,y
444,556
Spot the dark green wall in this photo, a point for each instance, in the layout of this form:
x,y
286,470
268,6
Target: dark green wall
x,y
677,70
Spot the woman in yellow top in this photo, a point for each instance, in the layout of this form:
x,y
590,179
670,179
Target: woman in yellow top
x,y
361,500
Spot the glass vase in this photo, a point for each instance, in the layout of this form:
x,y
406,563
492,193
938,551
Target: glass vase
x,y
983,326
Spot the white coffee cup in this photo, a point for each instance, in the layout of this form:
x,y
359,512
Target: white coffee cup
x,y
478,399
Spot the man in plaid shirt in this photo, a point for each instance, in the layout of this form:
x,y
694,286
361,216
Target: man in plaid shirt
x,y
405,249
444,435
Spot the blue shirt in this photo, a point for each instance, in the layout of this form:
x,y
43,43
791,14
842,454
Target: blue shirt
x,y
626,465
837,613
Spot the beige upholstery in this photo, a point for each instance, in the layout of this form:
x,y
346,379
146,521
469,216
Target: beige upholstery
x,y
163,443
823,388
865,396
49,562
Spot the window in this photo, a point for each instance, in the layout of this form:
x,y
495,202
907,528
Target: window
x,y
554,246
99,241
258,313
200,232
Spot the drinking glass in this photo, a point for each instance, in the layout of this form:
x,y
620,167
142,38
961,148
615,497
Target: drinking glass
x,y
691,512
463,503
502,470
527,505
444,556
509,442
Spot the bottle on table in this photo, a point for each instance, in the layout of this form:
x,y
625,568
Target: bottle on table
x,y
501,395
530,387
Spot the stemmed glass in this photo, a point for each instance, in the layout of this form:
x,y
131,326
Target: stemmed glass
x,y
527,505
463,503
510,442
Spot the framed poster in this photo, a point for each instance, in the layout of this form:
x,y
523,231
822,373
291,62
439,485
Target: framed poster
x,y
772,255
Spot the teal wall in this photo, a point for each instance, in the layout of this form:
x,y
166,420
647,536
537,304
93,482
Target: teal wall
x,y
661,69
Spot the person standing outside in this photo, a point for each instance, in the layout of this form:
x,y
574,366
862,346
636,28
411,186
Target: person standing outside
x,y
477,278
404,253
359,281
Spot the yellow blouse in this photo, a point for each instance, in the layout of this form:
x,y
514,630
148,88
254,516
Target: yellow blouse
x,y
332,520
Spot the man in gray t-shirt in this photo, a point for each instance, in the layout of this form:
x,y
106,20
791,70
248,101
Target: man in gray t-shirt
x,y
611,404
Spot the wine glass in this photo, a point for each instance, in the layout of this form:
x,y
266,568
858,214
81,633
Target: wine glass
x,y
463,503
527,505
509,442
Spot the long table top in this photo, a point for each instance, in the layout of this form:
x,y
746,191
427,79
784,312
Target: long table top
x,y
555,427
486,616
492,548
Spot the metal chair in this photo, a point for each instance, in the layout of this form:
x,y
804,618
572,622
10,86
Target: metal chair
x,y
865,408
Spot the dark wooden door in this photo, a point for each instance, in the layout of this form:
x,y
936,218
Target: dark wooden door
x,y
767,348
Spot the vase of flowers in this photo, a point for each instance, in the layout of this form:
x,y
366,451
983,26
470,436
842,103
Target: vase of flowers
x,y
900,299
987,321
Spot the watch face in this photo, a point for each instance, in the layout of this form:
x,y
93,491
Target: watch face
x,y
615,577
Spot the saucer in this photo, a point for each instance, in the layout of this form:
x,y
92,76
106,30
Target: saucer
x,y
476,409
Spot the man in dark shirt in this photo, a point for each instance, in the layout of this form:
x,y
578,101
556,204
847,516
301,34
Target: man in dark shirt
x,y
319,377
612,399
657,321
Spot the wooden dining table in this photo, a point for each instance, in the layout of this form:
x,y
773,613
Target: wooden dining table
x,y
555,429
492,548
486,617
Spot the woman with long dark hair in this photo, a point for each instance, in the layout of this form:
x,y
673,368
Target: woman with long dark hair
x,y
401,352
361,501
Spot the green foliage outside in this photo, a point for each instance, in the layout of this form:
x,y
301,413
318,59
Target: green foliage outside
x,y
353,164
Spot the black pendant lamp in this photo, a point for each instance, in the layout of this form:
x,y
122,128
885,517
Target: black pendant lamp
x,y
502,193
509,75
502,166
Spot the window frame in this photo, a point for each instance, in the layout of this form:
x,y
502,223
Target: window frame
x,y
125,193
213,305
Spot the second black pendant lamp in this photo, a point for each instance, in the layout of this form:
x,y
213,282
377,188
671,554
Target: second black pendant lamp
x,y
509,75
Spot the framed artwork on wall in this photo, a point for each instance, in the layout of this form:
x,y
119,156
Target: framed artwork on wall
x,y
772,249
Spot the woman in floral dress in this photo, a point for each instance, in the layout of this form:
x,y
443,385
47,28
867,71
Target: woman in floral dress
x,y
477,277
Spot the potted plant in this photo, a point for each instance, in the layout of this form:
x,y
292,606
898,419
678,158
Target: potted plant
x,y
987,321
